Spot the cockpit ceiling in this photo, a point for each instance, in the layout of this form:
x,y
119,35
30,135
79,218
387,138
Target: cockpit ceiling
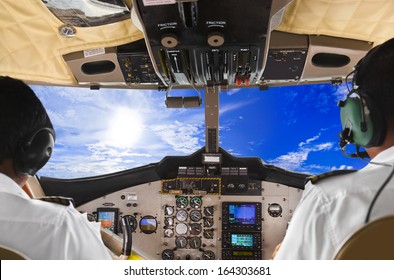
x,y
365,20
32,49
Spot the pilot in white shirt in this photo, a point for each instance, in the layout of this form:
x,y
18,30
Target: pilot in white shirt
x,y
333,208
46,231
37,229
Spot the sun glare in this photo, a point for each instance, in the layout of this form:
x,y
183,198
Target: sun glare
x,y
125,128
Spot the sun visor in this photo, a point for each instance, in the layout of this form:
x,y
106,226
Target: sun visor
x,y
33,40
359,19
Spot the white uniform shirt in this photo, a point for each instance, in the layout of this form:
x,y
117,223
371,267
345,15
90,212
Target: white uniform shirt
x,y
44,231
334,208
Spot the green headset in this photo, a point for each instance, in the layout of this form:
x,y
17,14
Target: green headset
x,y
363,123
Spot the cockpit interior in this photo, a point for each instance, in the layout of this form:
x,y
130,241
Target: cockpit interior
x,y
210,204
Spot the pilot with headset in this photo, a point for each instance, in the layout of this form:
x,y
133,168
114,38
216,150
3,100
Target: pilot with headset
x,y
334,207
37,229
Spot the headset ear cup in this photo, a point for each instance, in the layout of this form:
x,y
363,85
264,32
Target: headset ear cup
x,y
352,118
33,154
377,120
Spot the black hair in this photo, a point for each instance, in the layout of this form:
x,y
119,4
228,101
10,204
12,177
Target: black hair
x,y
21,114
375,77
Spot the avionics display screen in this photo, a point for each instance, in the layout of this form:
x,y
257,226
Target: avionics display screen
x,y
242,214
243,253
108,218
241,240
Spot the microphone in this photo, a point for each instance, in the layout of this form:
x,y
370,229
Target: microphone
x,y
346,138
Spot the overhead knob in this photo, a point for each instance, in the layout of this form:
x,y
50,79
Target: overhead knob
x,y
215,39
169,41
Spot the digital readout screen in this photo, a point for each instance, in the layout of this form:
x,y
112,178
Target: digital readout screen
x,y
107,220
241,240
242,214
243,253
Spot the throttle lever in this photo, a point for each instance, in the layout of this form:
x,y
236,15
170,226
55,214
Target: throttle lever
x,y
126,223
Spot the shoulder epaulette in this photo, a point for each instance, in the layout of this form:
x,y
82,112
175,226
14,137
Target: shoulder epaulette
x,y
316,178
66,201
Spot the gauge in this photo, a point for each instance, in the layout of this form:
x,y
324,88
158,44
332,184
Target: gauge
x,y
195,242
195,215
195,202
92,217
167,254
181,215
195,229
148,224
208,222
168,233
169,221
181,242
208,233
181,228
208,211
181,201
275,210
168,210
132,222
208,255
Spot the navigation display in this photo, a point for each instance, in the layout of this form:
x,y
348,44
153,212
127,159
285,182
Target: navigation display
x,y
242,214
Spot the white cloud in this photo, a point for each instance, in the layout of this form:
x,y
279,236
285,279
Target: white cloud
x,y
342,91
182,137
309,140
296,160
342,167
233,91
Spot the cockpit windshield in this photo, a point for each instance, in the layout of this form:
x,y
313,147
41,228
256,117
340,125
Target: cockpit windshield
x,y
109,130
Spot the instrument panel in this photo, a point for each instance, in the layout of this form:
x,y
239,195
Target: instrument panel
x,y
182,223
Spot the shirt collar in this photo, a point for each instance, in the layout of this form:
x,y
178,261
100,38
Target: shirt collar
x,y
7,185
387,156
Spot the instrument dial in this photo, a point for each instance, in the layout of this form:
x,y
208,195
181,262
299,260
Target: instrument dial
x,y
169,221
195,242
208,222
275,210
168,210
167,254
208,233
208,255
195,202
195,229
181,201
148,224
168,233
208,211
195,215
132,221
92,217
181,228
181,215
181,242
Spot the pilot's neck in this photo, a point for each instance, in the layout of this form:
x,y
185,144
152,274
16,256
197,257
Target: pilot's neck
x,y
7,168
387,143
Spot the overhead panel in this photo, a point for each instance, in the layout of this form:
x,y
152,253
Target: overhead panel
x,y
214,43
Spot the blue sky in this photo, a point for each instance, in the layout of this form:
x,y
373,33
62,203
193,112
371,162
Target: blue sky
x,y
110,130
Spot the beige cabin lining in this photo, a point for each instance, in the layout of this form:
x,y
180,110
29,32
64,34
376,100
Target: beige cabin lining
x,y
367,20
31,47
